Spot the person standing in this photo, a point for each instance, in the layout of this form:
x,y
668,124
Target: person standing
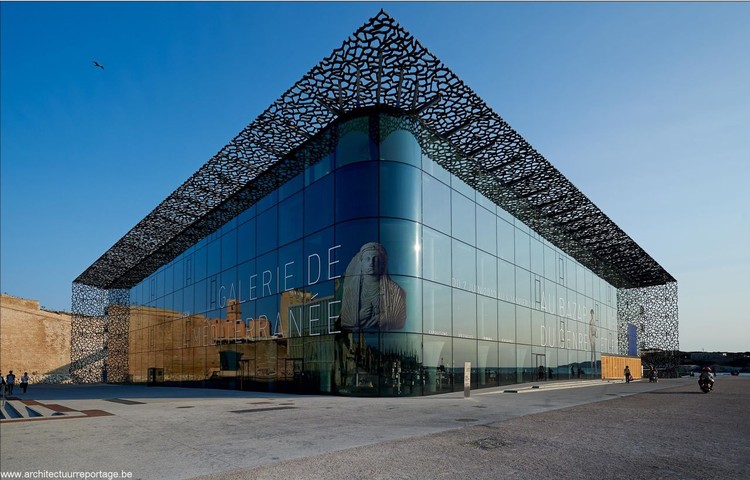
x,y
627,374
10,381
24,382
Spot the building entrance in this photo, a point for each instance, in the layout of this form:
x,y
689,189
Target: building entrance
x,y
540,361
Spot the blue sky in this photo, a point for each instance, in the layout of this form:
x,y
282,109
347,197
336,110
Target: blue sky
x,y
645,107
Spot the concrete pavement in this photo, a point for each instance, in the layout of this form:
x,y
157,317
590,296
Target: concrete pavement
x,y
175,433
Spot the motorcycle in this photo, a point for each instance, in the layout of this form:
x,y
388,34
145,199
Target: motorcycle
x,y
706,384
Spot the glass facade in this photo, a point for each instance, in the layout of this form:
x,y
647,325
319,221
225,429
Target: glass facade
x,y
373,271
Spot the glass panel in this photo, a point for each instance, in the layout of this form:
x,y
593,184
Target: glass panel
x,y
507,361
356,191
438,356
412,290
401,146
506,322
270,200
436,203
521,226
290,219
319,312
247,281
402,241
400,191
267,278
199,297
229,249
505,241
246,215
462,187
505,215
246,241
486,203
463,218
525,364
268,232
486,274
464,314
486,231
359,366
199,265
435,170
464,266
268,309
402,355
487,364
464,350
538,329
523,287
169,279
436,256
354,144
228,294
549,297
352,237
523,254
177,301
320,257
179,273
292,186
436,309
214,257
318,170
537,257
554,372
506,275
550,263
523,325
486,318
291,266
319,205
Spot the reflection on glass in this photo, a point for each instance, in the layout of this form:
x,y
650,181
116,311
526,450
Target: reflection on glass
x,y
371,299
436,201
290,297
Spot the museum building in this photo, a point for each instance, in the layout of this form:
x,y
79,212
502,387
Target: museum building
x,y
374,229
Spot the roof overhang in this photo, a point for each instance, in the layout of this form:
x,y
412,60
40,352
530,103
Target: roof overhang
x,y
380,66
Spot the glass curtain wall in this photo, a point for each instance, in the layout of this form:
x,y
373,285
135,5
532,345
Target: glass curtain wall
x,y
374,271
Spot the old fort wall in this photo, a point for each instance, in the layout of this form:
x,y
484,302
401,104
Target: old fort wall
x,y
34,340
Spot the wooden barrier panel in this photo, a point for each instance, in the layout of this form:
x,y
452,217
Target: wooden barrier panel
x,y
613,367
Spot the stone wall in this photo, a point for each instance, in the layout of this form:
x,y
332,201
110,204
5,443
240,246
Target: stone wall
x,y
34,341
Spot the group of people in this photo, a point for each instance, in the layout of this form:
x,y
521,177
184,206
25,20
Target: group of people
x,y
8,382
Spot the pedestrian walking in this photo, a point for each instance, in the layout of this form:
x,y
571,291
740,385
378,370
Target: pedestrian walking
x,y
10,382
24,382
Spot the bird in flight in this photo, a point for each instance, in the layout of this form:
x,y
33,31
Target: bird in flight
x,y
97,64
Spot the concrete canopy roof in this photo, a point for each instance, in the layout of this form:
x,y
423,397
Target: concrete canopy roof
x,y
382,66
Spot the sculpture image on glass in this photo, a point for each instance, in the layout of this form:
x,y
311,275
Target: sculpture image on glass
x,y
371,299
592,338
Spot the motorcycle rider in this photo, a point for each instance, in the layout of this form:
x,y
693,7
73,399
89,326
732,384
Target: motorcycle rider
x,y
706,375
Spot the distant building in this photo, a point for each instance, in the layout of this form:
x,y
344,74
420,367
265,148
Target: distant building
x,y
374,229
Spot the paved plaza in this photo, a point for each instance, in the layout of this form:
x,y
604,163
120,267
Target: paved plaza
x,y
576,429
